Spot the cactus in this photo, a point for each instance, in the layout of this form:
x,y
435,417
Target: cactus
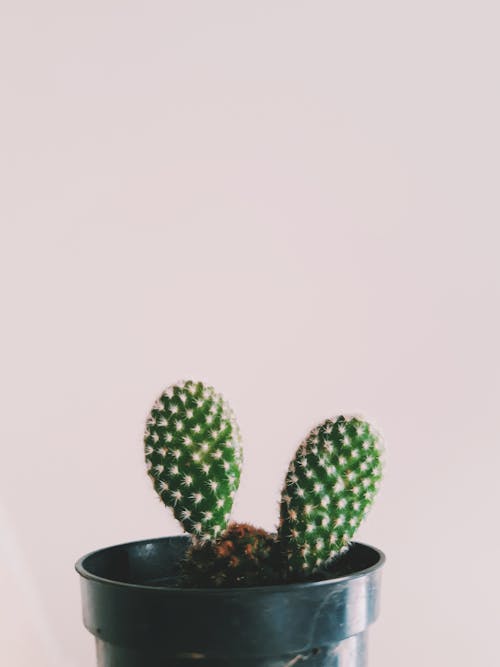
x,y
329,487
193,454
242,556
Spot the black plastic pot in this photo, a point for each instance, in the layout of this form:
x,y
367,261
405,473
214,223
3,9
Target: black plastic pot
x,y
140,619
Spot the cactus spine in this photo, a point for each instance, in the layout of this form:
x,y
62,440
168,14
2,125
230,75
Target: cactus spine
x,y
329,487
193,455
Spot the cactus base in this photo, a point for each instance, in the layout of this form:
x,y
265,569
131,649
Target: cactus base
x,y
139,617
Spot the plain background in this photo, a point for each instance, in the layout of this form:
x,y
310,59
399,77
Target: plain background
x,y
294,201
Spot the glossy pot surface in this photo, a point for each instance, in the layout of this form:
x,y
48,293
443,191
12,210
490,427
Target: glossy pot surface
x,y
141,619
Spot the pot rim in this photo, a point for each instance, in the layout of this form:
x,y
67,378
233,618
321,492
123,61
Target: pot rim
x,y
270,588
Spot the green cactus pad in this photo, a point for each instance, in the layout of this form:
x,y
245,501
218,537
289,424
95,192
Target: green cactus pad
x,y
329,487
193,454
242,556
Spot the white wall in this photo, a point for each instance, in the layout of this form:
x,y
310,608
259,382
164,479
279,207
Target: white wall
x,y
295,201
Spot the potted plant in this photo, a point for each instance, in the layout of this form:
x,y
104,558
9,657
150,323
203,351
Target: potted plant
x,y
233,594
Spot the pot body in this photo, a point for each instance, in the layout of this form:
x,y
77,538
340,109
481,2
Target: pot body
x,y
140,619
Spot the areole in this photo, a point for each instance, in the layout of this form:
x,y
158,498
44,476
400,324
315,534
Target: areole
x,y
141,619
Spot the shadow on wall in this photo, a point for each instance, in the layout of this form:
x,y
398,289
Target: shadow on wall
x,y
27,639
